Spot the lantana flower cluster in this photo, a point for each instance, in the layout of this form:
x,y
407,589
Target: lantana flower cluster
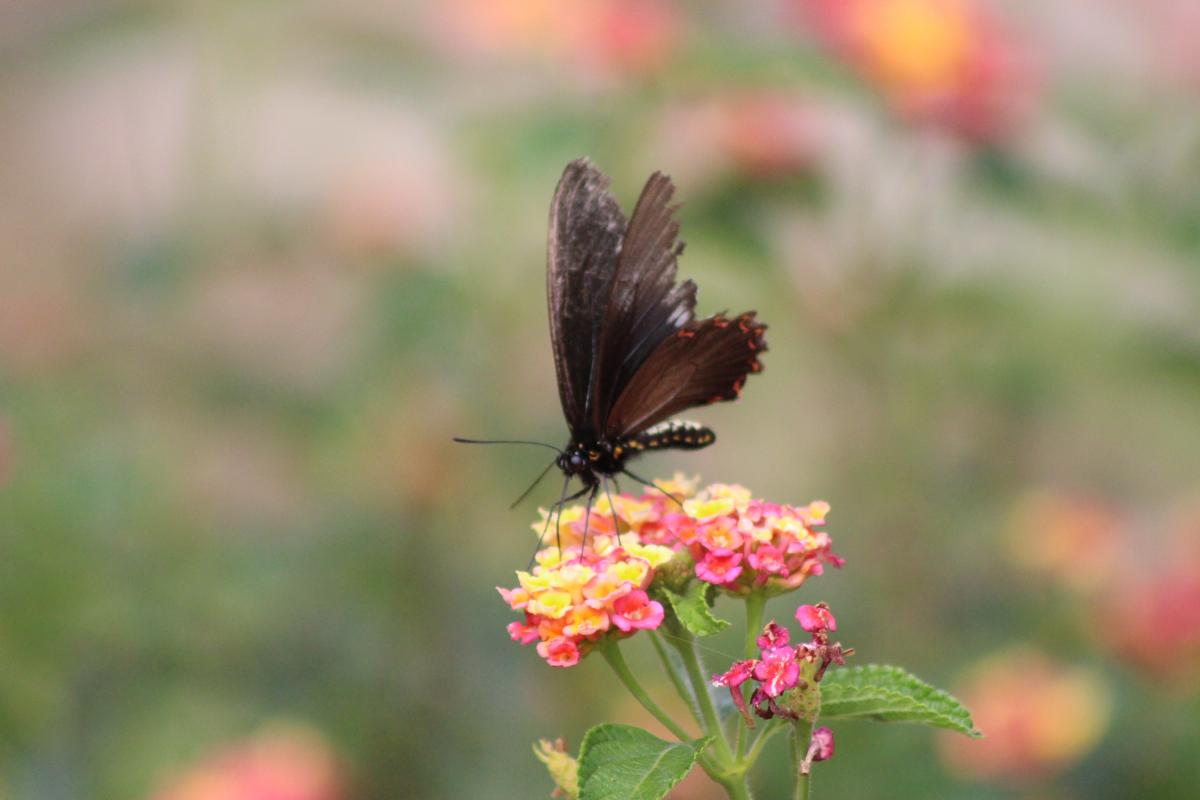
x,y
575,597
580,592
740,543
781,666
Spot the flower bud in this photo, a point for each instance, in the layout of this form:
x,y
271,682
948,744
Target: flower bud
x,y
563,768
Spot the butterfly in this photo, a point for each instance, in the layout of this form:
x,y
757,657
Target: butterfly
x,y
629,352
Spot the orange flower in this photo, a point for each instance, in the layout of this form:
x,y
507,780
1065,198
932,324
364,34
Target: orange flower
x,y
1038,717
1067,537
947,62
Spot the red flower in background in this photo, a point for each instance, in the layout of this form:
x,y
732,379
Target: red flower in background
x,y
946,62
1153,621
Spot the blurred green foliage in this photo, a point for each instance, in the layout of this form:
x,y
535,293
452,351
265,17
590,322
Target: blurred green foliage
x,y
259,262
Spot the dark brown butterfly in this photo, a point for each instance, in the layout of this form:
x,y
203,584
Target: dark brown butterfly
x,y
628,350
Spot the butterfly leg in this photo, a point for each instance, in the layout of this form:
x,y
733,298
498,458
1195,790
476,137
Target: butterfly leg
x,y
587,517
645,482
562,500
612,508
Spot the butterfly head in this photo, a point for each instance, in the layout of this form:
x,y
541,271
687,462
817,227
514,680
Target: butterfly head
x,y
588,459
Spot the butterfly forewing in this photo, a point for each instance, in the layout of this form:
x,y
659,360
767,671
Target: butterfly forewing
x,y
646,306
586,231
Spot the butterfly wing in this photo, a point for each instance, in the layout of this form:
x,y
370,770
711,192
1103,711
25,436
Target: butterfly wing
x,y
645,306
706,361
586,231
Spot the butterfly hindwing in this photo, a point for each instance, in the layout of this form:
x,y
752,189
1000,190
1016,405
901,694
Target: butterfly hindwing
x,y
586,231
705,362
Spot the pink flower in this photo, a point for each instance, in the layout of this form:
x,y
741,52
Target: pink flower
x,y
517,599
774,635
636,611
282,762
739,673
768,561
719,567
559,652
821,748
720,538
816,618
778,671
523,632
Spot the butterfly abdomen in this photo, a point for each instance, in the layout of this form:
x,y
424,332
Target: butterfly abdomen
x,y
676,434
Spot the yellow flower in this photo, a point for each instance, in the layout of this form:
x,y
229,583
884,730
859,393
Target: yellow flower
x,y
552,603
654,554
916,45
634,571
533,583
704,510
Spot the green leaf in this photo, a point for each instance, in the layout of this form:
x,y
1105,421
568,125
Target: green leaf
x,y
694,609
890,694
621,762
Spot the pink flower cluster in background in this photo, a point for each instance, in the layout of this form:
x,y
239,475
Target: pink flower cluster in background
x,y
1041,717
777,670
283,762
577,595
1089,545
602,36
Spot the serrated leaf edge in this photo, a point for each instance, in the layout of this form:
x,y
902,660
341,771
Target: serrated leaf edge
x,y
929,697
717,623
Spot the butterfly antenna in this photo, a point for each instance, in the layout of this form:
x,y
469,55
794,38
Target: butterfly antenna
x,y
532,486
645,482
461,440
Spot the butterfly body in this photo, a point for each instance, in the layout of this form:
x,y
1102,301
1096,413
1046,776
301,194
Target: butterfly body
x,y
590,460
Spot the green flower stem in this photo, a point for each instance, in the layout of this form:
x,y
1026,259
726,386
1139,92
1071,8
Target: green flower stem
x,y
756,604
718,770
764,735
612,654
686,645
801,737
676,679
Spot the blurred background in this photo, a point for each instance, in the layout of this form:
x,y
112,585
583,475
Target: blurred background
x,y
259,261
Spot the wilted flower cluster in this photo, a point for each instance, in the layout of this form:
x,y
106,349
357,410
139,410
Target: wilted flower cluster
x,y
581,591
778,669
